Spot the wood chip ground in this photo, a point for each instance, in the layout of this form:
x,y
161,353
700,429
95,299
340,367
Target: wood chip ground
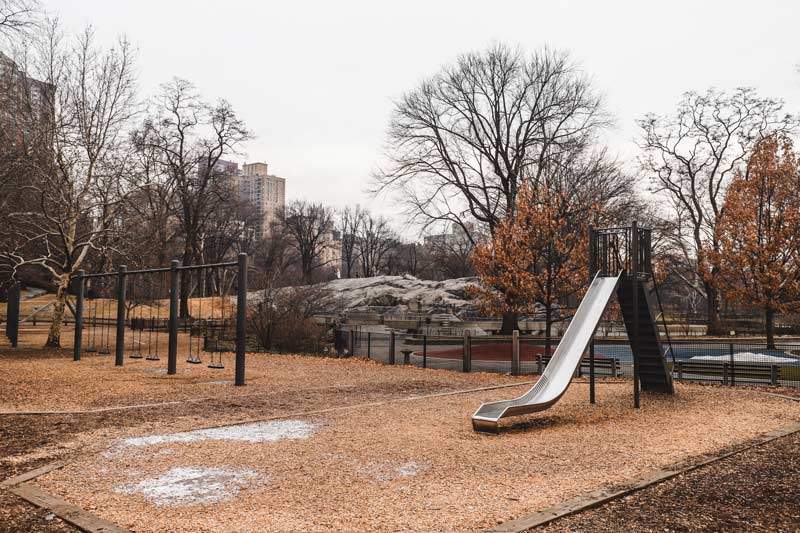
x,y
398,465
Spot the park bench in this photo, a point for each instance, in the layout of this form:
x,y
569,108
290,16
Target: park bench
x,y
728,372
603,365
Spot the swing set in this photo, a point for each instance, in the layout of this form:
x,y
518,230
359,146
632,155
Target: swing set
x,y
214,321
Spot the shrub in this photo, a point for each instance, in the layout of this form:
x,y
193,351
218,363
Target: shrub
x,y
282,320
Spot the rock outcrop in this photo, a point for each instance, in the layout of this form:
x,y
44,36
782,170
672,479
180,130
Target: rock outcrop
x,y
401,292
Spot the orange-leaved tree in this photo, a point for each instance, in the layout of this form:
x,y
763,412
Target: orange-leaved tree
x,y
759,232
537,256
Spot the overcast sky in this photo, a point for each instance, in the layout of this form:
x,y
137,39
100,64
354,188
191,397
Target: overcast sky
x,y
315,81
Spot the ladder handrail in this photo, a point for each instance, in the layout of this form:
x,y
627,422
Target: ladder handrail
x,y
664,320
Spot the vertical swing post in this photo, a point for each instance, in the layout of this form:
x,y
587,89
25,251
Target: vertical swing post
x,y
241,317
76,350
515,370
591,372
12,314
172,354
592,272
119,351
634,342
466,361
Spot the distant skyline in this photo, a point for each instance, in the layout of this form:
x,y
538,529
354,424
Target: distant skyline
x,y
315,81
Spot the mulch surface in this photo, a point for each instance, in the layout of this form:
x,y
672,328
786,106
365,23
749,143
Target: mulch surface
x,y
18,515
756,490
348,475
45,438
19,435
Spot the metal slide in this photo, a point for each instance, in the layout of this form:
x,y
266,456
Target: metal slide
x,y
559,371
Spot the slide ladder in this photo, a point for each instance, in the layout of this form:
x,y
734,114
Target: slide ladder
x,y
646,345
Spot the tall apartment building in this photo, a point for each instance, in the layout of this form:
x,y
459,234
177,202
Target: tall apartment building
x,y
266,192
331,255
26,143
26,111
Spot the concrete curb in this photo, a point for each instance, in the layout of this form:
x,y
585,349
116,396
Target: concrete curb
x,y
83,520
32,474
599,497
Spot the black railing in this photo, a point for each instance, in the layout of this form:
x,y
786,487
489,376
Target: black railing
x,y
739,362
615,250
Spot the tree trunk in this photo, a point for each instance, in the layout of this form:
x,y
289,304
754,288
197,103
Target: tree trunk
x,y
769,315
712,307
548,329
54,334
509,323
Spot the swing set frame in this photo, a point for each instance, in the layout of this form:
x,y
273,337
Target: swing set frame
x,y
176,271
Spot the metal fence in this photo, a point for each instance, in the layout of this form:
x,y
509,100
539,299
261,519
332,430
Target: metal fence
x,y
735,362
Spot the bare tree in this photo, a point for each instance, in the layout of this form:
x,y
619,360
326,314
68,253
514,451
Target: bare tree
x,y
151,209
450,254
230,230
691,157
403,258
462,143
191,137
375,240
309,229
272,260
348,223
76,176
17,17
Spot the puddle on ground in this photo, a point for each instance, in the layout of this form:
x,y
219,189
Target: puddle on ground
x,y
190,485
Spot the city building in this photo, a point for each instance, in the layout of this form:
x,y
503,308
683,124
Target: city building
x,y
456,237
265,191
331,255
26,146
26,110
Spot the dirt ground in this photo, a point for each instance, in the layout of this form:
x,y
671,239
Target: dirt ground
x,y
364,446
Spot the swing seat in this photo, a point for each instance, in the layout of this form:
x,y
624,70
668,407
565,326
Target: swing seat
x,y
194,360
152,357
104,351
216,365
90,349
135,355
